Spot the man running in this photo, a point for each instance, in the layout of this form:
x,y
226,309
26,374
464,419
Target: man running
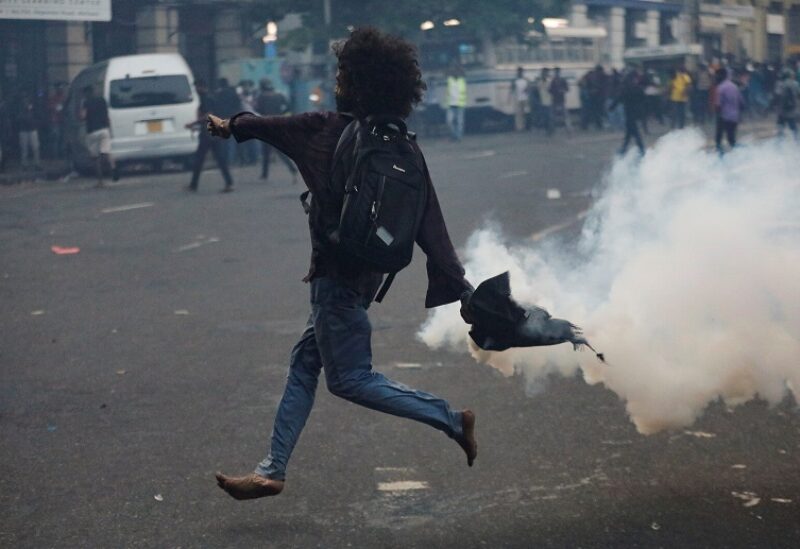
x,y
337,337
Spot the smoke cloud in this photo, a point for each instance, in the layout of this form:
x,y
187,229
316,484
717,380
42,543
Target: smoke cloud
x,y
686,275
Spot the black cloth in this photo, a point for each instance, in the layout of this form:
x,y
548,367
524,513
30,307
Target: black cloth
x,y
310,139
499,322
96,114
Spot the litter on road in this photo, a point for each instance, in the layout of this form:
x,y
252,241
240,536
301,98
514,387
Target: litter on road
x,y
553,194
158,497
127,207
197,244
61,250
38,312
699,434
181,312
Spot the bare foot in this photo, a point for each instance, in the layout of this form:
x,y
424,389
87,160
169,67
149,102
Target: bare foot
x,y
251,486
467,440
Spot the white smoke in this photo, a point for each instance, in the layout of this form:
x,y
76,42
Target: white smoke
x,y
686,275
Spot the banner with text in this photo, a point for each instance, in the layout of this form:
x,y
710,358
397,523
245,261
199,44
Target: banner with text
x,y
56,10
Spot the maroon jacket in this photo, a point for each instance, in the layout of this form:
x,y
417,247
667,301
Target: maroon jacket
x,y
310,139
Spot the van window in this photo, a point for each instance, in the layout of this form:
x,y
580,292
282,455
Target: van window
x,y
150,91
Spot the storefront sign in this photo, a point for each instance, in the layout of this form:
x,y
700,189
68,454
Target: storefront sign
x,y
56,10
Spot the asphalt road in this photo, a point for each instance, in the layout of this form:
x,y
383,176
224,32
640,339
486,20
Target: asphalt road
x,y
134,369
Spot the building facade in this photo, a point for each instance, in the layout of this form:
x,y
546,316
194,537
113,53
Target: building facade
x,y
757,30
38,54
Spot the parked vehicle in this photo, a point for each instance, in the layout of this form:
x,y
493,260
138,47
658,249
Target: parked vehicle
x,y
150,100
491,70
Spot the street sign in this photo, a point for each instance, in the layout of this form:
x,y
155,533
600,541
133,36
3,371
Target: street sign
x,y
56,10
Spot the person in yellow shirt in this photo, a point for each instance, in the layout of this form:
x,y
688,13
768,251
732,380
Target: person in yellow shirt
x,y
456,100
679,86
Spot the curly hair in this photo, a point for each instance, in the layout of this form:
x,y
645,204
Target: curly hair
x,y
378,74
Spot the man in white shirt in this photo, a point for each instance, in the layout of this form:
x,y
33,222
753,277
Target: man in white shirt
x,y
519,95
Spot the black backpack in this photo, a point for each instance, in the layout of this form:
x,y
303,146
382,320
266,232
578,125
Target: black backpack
x,y
378,193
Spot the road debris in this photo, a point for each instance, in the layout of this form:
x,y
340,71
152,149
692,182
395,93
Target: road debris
x,y
699,434
197,244
553,194
62,250
509,175
158,497
655,526
750,499
781,500
181,312
739,466
408,365
403,485
51,428
38,312
479,154
127,207
121,372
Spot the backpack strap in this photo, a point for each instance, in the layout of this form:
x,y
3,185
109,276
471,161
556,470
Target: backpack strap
x,y
385,287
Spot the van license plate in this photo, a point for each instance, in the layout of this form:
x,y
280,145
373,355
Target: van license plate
x,y
155,126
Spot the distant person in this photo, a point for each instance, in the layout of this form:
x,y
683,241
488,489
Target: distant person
x,y
615,115
206,143
98,133
5,129
679,86
248,152
519,95
631,97
55,108
596,84
787,99
227,103
28,130
545,101
456,98
558,93
272,103
729,104
701,92
337,337
652,99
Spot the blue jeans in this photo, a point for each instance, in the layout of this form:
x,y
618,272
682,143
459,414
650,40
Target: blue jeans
x,y
455,119
337,339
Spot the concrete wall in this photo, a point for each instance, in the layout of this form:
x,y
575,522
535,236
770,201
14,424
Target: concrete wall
x,y
156,30
69,50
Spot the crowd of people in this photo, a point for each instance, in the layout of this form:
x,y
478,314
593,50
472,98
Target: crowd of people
x,y
631,99
32,125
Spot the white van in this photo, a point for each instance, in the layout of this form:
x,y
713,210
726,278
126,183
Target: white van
x,y
150,98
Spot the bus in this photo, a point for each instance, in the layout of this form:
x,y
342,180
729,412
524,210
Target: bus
x,y
491,67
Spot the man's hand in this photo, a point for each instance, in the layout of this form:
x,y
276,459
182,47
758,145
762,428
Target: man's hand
x,y
218,127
